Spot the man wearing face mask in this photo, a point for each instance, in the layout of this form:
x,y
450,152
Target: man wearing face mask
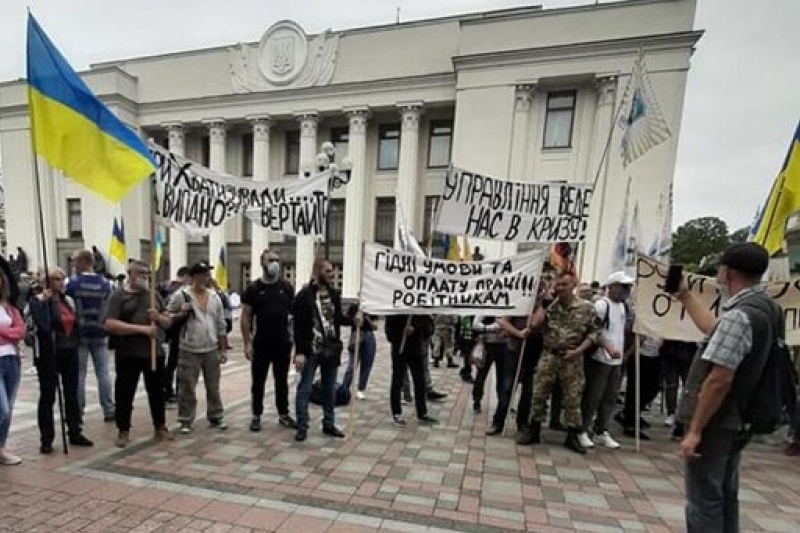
x,y
268,302
317,320
132,323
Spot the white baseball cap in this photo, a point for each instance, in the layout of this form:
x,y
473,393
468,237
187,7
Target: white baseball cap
x,y
619,278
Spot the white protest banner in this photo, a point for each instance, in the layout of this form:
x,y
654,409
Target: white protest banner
x,y
658,315
195,199
491,208
399,283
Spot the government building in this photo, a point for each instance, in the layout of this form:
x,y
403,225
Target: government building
x,y
522,94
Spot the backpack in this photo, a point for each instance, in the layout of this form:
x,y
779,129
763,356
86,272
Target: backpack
x,y
178,325
775,393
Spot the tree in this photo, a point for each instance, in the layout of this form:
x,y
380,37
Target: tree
x,y
699,238
740,235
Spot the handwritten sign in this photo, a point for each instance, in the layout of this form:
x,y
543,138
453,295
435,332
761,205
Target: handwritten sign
x,y
195,199
490,208
397,282
659,315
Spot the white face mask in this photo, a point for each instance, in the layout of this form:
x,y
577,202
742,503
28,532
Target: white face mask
x,y
141,284
272,270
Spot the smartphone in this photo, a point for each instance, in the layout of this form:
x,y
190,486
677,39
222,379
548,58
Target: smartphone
x,y
674,277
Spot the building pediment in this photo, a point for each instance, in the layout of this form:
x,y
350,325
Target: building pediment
x,y
285,58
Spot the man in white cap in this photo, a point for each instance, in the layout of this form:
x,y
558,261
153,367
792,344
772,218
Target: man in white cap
x,y
604,366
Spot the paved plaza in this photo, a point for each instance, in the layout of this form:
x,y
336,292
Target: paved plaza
x,y
382,478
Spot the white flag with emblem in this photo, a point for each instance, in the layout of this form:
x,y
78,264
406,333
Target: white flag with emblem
x,y
642,122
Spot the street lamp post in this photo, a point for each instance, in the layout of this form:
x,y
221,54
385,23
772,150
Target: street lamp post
x,y
339,176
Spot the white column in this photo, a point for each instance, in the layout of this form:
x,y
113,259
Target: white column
x,y
408,163
520,146
595,252
260,236
216,132
355,202
304,246
178,253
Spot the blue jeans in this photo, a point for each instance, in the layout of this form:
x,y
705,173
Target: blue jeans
x,y
712,493
10,374
98,348
328,371
367,359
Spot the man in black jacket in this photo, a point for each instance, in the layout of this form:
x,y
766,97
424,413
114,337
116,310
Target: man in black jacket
x,y
317,319
407,336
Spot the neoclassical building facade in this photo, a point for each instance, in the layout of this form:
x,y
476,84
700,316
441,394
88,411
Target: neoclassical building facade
x,y
524,94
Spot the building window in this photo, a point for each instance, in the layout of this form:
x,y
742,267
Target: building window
x,y
205,151
431,203
440,144
384,221
247,154
340,137
336,221
559,119
388,146
293,152
74,218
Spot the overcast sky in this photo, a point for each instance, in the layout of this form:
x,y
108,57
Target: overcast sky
x,y
742,102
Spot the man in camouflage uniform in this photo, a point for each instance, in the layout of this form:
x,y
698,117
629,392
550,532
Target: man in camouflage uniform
x,y
444,340
570,329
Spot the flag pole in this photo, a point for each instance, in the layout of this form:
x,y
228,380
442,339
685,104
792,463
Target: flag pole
x,y
153,267
40,216
604,164
351,422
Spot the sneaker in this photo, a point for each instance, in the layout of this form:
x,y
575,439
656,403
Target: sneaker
x,y
218,424
110,416
9,459
669,421
585,441
287,421
428,420
162,434
123,438
604,439
434,395
408,399
185,429
46,449
333,431
399,421
360,395
301,435
494,431
80,440
255,423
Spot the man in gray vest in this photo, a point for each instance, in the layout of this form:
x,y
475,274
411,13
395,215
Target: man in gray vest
x,y
722,379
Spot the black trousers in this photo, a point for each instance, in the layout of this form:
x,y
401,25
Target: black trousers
x,y
279,358
48,369
530,358
414,361
649,375
170,386
128,371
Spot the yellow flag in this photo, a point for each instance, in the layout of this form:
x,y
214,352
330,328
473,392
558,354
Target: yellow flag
x,y
782,203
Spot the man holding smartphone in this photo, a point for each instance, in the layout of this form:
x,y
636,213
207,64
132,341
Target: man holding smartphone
x,y
721,380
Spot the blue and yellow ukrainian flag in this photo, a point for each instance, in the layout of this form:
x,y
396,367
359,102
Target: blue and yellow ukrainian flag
x,y
73,131
158,249
117,248
783,201
221,270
